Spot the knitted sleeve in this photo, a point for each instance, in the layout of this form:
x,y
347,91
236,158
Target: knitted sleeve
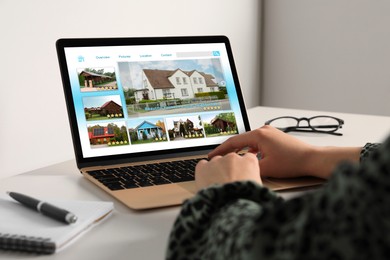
x,y
367,150
348,218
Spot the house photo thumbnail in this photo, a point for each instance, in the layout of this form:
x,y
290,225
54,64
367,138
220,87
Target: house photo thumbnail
x,y
102,107
174,86
147,131
107,134
97,79
184,128
217,124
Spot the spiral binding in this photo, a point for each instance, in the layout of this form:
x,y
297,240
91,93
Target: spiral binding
x,y
27,244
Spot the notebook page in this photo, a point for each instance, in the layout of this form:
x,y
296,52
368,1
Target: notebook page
x,y
17,219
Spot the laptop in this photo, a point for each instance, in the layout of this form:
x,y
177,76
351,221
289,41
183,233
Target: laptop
x,y
144,111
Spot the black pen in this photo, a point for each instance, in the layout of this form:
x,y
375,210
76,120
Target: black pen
x,y
44,208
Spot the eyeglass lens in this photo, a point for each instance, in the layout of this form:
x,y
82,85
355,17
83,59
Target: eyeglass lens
x,y
284,123
323,123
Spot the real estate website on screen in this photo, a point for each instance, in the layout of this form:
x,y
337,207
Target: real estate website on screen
x,y
132,99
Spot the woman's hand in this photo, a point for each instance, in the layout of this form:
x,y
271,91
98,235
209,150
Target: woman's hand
x,y
284,156
229,168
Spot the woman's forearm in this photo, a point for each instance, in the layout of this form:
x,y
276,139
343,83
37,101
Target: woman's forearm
x,y
322,160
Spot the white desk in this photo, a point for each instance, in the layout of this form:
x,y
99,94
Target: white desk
x,y
143,235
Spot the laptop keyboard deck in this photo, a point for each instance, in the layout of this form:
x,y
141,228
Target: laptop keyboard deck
x,y
129,177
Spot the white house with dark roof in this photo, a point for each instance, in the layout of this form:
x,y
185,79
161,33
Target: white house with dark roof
x,y
169,84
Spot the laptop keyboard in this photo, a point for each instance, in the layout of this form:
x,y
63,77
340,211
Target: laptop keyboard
x,y
129,177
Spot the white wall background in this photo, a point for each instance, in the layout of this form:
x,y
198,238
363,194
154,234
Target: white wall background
x,y
331,55
34,129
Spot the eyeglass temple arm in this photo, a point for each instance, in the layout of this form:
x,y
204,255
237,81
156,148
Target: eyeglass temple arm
x,y
294,129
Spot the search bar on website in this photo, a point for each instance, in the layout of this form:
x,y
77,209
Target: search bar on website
x,y
197,54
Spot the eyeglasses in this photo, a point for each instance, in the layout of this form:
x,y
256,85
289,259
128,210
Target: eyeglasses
x,y
316,124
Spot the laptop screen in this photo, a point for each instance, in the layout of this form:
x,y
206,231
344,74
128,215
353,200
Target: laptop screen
x,y
143,96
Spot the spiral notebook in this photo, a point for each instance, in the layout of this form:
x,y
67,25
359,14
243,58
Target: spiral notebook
x,y
22,229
